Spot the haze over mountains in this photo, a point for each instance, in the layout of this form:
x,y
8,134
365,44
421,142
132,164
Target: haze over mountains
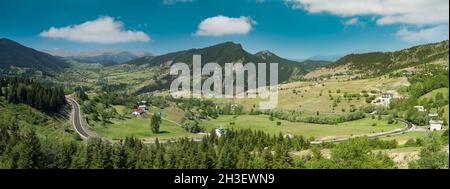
x,y
97,55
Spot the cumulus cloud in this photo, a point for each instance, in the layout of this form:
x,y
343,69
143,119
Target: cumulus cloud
x,y
433,34
413,12
352,21
222,25
104,30
171,2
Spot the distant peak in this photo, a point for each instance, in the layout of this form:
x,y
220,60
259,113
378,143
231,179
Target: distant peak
x,y
265,52
229,43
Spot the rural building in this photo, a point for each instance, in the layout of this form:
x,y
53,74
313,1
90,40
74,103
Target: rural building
x,y
384,99
220,131
138,111
432,115
387,96
436,125
420,108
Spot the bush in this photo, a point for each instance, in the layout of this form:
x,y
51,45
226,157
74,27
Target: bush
x,y
191,126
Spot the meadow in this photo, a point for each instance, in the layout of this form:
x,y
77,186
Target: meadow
x,y
312,97
320,131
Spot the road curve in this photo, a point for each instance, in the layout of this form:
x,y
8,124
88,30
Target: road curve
x,y
76,116
408,126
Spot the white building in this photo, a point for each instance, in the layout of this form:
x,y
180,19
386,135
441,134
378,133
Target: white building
x,y
432,115
420,108
436,125
384,99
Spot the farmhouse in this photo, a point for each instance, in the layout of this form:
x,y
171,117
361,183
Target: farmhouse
x,y
384,99
138,111
436,125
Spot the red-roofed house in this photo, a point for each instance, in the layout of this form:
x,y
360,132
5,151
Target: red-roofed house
x,y
138,111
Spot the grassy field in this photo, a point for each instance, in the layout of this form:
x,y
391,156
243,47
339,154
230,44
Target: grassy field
x,y
172,112
311,97
432,94
262,122
140,127
401,139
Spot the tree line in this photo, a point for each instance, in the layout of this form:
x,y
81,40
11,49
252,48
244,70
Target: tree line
x,y
27,91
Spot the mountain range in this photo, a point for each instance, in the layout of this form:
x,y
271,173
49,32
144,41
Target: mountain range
x,y
13,54
230,52
97,55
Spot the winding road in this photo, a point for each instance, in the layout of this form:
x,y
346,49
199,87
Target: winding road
x,y
77,124
76,116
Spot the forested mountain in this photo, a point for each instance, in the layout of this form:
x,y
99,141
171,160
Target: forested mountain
x,y
385,62
222,53
13,54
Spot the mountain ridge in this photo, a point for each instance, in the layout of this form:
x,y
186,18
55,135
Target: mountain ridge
x,y
13,54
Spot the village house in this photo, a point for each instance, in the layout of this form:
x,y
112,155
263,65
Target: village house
x,y
384,99
435,125
220,131
420,108
138,111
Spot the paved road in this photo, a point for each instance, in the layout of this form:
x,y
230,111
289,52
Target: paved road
x,y
76,116
408,127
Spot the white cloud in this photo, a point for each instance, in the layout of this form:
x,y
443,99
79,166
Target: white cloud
x,y
352,21
104,30
222,25
433,34
171,2
412,12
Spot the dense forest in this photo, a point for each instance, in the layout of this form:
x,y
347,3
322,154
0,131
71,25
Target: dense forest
x,y
18,90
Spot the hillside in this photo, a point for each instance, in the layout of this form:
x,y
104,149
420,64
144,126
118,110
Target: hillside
x,y
227,52
120,57
377,63
13,54
96,55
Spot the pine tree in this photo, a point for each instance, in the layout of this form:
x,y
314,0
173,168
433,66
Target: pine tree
x,y
29,151
155,122
1,88
119,157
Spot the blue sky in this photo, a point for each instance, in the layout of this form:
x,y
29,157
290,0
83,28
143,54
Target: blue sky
x,y
293,29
